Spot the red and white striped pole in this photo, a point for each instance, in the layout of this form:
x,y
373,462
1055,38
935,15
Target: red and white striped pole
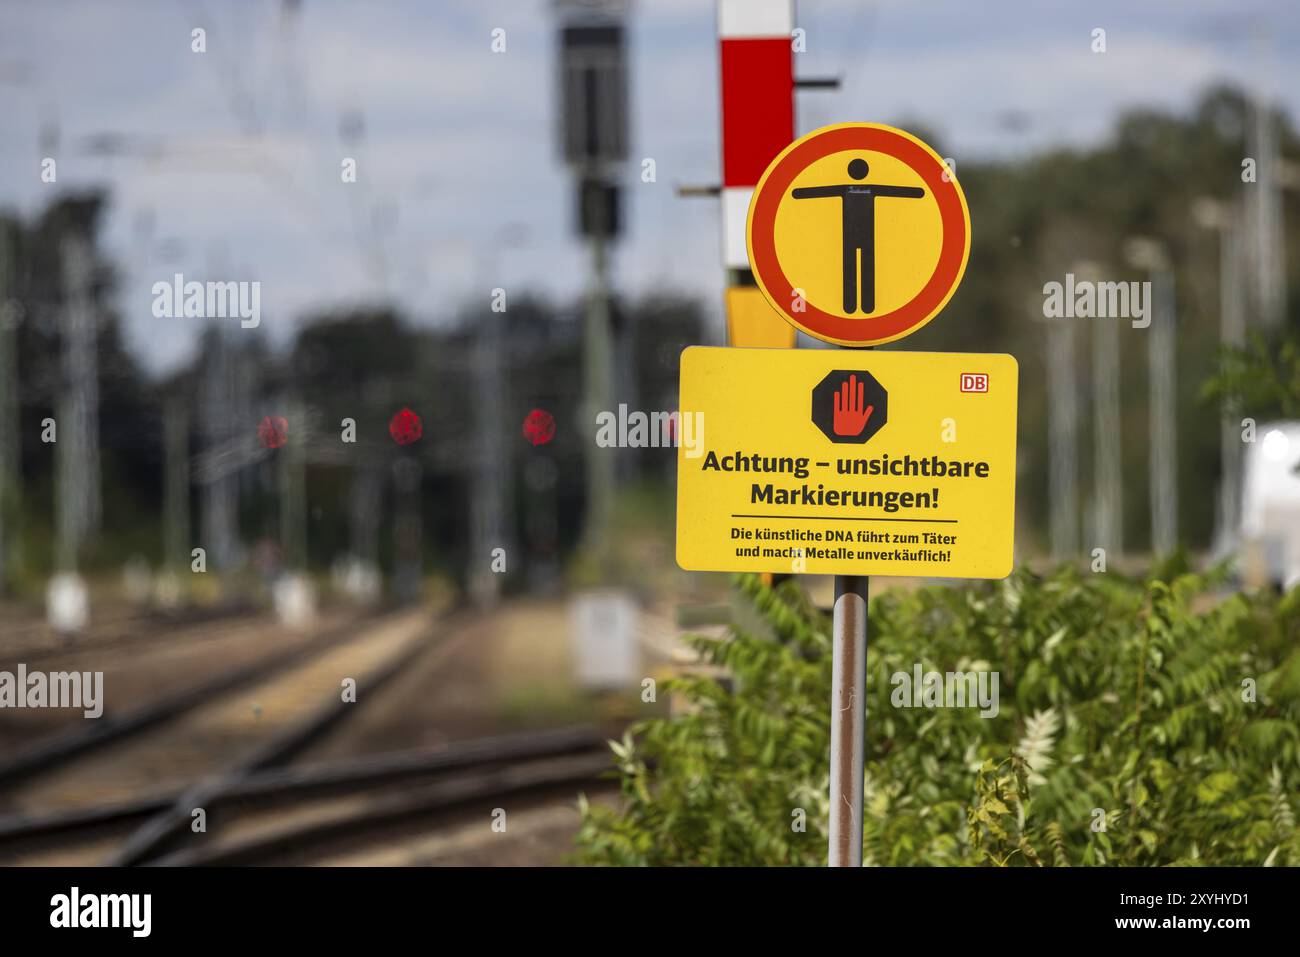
x,y
757,66
758,85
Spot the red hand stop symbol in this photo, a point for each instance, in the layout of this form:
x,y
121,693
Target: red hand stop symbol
x,y
850,415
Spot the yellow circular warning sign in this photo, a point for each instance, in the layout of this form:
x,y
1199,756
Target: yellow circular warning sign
x,y
858,233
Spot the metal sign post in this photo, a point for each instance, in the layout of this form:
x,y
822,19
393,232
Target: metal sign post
x,y
851,463
848,718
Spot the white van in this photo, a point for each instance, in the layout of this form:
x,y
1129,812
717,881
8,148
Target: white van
x,y
1270,506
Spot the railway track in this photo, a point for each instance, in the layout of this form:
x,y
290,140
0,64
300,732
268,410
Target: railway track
x,y
140,661
117,727
34,642
292,814
240,720
128,789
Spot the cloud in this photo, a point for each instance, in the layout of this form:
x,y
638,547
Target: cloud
x,y
458,141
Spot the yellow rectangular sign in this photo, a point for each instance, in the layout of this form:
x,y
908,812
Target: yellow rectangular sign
x,y
752,322
847,462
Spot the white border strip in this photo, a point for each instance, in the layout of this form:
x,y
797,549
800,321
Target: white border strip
x,y
735,212
755,18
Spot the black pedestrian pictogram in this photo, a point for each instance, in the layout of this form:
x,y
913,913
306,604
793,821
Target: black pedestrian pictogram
x,y
849,405
858,206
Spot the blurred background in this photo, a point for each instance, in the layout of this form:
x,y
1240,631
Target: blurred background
x,y
473,226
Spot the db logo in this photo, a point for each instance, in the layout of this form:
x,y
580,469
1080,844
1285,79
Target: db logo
x,y
974,382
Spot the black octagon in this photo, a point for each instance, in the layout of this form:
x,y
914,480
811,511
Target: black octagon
x,y
855,424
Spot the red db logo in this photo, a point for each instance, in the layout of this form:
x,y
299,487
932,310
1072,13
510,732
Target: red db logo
x,y
974,382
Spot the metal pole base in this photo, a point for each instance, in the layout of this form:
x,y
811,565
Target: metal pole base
x,y
848,718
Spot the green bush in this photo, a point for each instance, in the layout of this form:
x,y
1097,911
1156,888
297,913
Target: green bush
x,y
1125,733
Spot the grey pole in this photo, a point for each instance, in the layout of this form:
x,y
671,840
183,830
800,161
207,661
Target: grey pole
x,y
1232,335
363,514
1063,440
1266,234
293,494
217,410
1108,527
176,486
490,525
78,509
599,390
1163,415
848,718
408,529
10,446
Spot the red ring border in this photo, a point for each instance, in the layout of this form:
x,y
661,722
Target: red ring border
x,y
952,254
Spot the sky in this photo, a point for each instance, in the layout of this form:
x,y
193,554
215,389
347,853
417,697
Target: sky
x,y
225,165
